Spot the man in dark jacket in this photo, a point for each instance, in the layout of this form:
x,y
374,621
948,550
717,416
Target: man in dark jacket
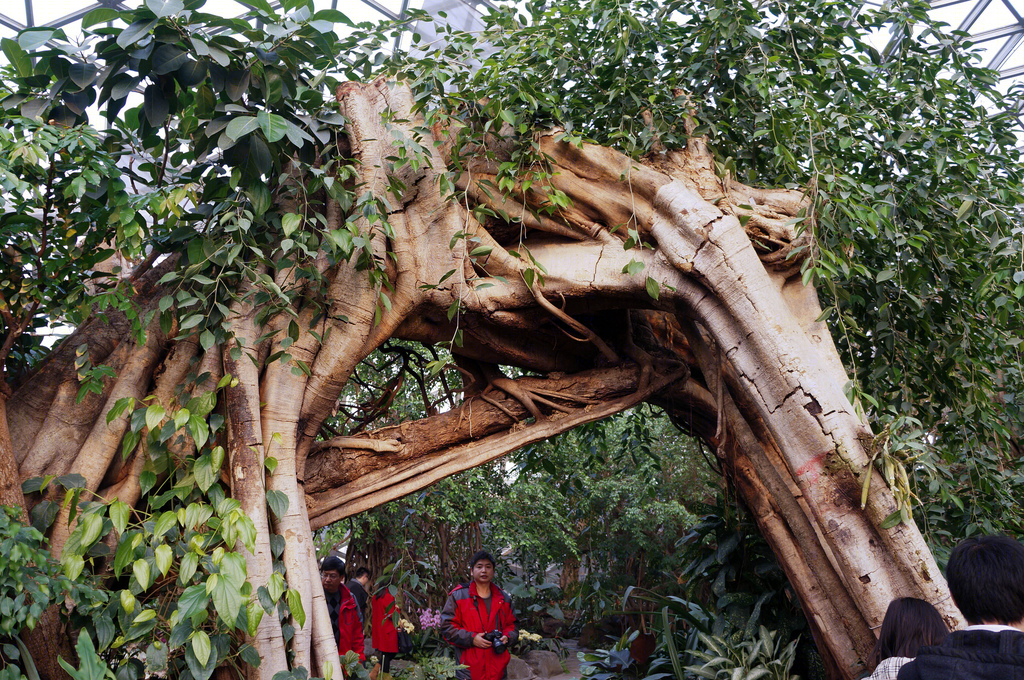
x,y
474,610
986,579
357,586
341,607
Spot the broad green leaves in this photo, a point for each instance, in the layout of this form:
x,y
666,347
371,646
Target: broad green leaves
x,y
241,126
273,126
183,562
165,8
230,103
16,54
135,32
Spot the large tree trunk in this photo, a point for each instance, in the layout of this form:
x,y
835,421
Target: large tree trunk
x,y
730,347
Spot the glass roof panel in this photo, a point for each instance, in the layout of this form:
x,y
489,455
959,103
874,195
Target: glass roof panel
x,y
14,10
1015,59
995,15
997,26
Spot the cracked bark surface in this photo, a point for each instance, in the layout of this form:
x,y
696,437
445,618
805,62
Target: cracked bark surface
x,y
735,356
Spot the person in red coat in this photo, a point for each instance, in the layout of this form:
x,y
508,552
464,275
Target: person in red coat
x,y
382,627
348,629
474,610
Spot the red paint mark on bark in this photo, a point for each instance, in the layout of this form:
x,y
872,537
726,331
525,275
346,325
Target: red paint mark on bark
x,y
812,468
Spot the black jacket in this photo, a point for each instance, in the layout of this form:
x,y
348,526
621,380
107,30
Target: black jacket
x,y
358,592
970,655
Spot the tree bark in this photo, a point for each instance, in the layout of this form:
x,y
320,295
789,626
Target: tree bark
x,y
729,345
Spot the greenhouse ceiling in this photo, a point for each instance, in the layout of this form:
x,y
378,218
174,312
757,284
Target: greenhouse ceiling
x,y
996,26
16,15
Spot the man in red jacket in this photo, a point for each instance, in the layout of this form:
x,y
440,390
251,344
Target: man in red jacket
x,y
475,610
348,629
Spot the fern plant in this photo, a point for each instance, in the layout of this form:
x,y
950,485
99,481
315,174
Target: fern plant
x,y
761,657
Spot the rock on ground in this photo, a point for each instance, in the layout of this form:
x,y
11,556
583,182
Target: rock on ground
x,y
545,664
519,670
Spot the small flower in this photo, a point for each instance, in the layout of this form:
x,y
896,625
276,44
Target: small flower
x,y
429,618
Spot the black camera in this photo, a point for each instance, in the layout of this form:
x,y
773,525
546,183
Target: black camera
x,y
494,637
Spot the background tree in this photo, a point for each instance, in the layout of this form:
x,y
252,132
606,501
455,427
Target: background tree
x,y
283,224
610,497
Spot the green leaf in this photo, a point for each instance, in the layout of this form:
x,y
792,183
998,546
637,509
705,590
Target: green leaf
x,y
99,16
263,6
120,406
124,555
91,525
34,38
206,475
154,416
199,430
128,601
217,457
249,655
227,599
34,484
156,658
259,195
278,502
82,75
275,586
201,646
965,208
181,418
653,289
254,615
884,275
232,569
633,268
140,569
164,556
187,567
290,222
273,126
168,58
71,481
16,55
144,616
155,105
191,73
203,404
92,667
295,605
73,566
236,83
166,8
135,32
241,126
193,599
892,520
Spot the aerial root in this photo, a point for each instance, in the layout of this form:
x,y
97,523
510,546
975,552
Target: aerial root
x,y
529,398
362,443
642,359
590,335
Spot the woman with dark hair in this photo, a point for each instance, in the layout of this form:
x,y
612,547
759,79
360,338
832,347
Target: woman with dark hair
x,y
909,624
